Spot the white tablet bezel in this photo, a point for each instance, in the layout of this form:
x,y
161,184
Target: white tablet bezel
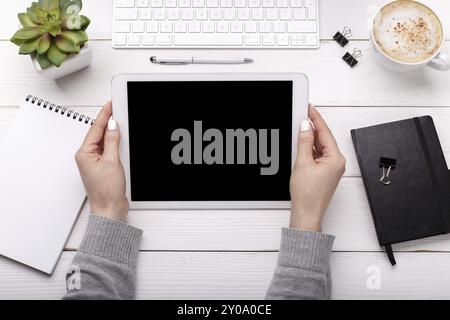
x,y
120,111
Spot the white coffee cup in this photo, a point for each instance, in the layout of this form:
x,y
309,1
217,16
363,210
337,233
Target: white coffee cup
x,y
438,60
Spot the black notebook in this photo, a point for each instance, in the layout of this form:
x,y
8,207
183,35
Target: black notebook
x,y
406,179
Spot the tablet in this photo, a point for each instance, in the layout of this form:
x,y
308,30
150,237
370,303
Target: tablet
x,y
204,141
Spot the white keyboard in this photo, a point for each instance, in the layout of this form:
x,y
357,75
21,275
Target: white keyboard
x,y
216,24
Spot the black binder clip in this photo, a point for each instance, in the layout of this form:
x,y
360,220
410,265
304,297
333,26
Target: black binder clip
x,y
387,164
351,59
341,37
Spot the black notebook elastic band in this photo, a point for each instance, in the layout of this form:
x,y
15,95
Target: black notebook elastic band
x,y
390,254
434,180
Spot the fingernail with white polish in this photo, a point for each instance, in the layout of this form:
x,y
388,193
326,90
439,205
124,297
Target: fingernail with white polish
x,y
112,125
305,125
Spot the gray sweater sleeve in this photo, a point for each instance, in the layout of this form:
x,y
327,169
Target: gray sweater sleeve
x,y
105,265
303,269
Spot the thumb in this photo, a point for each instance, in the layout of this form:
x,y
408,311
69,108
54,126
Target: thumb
x,y
111,141
305,143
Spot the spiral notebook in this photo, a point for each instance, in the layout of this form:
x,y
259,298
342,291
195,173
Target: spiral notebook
x,y
40,187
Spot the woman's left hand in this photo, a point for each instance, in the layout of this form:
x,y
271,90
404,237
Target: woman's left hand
x,y
101,169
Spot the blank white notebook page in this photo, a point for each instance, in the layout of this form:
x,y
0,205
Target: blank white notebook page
x,y
40,187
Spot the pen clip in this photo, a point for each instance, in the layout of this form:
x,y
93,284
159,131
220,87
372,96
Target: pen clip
x,y
153,60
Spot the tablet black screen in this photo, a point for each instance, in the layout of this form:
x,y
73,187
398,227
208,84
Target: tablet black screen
x,y
210,140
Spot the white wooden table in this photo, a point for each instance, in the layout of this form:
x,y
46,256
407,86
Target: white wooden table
x,y
232,254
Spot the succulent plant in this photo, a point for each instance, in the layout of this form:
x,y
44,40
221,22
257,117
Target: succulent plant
x,y
52,30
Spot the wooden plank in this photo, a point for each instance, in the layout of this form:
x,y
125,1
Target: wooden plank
x,y
332,82
334,15
246,275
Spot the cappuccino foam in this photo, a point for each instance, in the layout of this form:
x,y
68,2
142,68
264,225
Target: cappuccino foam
x,y
407,31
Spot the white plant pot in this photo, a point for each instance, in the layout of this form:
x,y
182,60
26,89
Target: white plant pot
x,y
73,63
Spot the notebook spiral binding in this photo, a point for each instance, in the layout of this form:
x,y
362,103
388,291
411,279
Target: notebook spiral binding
x,y
60,110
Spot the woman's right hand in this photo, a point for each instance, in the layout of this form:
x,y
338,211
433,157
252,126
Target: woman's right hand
x,y
316,175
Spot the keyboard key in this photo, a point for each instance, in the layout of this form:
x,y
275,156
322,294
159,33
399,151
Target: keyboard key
x,y
145,14
311,6
299,14
312,14
119,40
268,40
156,3
243,14
311,39
250,27
187,14
296,40
208,40
240,3
122,27
164,40
265,27
215,14
125,3
268,3
257,14
170,3
302,26
138,27
134,40
208,27
282,40
212,3
254,3
142,3
198,3
152,27
229,14
252,40
222,27
166,27
180,27
279,27
236,27
184,3
296,3
126,14
148,40
282,3
226,3
159,14
173,14
201,14
285,14
194,26
271,14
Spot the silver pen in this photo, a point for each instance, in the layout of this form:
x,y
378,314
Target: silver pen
x,y
194,60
